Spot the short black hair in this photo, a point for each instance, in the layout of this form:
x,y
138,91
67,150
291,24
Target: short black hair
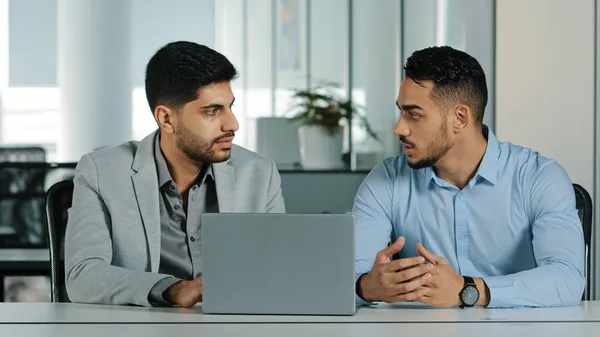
x,y
177,70
457,77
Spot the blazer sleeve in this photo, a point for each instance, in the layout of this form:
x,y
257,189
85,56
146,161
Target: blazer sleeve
x,y
275,202
89,275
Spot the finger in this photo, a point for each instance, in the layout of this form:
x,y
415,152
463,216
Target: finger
x,y
402,264
432,282
411,273
195,297
427,254
386,254
196,290
409,286
410,296
198,297
428,300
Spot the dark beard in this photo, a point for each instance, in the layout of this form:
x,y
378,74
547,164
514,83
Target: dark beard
x,y
438,149
199,150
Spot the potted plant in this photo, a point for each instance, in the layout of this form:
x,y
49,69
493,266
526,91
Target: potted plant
x,y
322,114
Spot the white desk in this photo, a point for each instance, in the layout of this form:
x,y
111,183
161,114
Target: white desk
x,y
65,320
384,313
303,330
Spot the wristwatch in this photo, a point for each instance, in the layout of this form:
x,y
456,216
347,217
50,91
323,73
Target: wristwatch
x,y
469,295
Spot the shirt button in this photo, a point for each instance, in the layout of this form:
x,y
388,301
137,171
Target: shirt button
x,y
176,207
192,239
172,187
194,188
463,237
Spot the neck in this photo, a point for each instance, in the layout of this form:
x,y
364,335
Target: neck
x,y
460,163
183,170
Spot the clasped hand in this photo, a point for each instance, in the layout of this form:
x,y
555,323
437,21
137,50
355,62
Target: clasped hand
x,y
427,278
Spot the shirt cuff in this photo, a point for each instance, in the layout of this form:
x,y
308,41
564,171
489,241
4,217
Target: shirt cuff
x,y
501,291
155,297
359,300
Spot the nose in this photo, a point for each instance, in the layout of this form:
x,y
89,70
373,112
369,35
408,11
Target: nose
x,y
229,122
401,129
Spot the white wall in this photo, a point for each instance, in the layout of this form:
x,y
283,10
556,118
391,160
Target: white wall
x,y
33,35
545,80
467,25
329,41
545,86
155,23
375,67
32,43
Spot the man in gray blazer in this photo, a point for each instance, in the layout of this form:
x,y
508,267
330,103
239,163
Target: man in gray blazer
x,y
133,234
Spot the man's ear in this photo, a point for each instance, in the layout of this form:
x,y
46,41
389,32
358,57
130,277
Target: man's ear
x,y
165,117
462,116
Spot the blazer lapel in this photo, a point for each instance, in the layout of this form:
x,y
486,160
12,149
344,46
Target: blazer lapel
x,y
145,184
225,184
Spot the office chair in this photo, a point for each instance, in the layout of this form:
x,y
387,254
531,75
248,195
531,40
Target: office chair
x,y
58,201
583,202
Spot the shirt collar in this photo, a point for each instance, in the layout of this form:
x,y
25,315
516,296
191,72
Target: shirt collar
x,y
164,176
488,169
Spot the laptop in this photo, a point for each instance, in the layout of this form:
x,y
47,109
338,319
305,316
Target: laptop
x,y
290,264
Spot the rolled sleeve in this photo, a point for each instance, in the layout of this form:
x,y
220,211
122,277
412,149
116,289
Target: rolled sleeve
x,y
155,297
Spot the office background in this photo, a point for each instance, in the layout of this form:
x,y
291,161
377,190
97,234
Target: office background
x,y
71,75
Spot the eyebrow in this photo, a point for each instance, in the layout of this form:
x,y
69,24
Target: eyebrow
x,y
408,107
216,106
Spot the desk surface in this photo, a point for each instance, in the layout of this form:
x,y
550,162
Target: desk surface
x,y
302,330
384,313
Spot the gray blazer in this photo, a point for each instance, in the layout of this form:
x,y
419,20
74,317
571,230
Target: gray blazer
x,y
112,243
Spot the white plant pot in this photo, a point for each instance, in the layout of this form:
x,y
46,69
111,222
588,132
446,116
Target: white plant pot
x,y
320,150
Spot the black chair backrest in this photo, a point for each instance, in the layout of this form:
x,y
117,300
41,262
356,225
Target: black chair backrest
x,y
58,201
583,202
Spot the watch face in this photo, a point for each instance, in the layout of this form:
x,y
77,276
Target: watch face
x,y
469,295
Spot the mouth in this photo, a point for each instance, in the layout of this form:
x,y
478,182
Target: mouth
x,y
225,140
407,149
225,143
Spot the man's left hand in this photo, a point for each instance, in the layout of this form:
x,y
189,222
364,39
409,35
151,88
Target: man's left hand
x,y
442,288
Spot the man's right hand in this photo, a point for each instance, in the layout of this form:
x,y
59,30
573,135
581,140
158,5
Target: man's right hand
x,y
395,281
185,293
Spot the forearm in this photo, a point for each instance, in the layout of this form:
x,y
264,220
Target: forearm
x,y
95,281
556,284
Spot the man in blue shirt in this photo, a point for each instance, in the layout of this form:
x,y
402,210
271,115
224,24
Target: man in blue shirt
x,y
471,220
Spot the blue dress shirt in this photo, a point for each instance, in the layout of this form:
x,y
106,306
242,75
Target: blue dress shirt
x,y
515,224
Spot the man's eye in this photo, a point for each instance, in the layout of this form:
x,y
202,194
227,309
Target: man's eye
x,y
211,112
413,115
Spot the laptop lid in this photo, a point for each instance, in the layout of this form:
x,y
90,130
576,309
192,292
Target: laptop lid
x,y
278,264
